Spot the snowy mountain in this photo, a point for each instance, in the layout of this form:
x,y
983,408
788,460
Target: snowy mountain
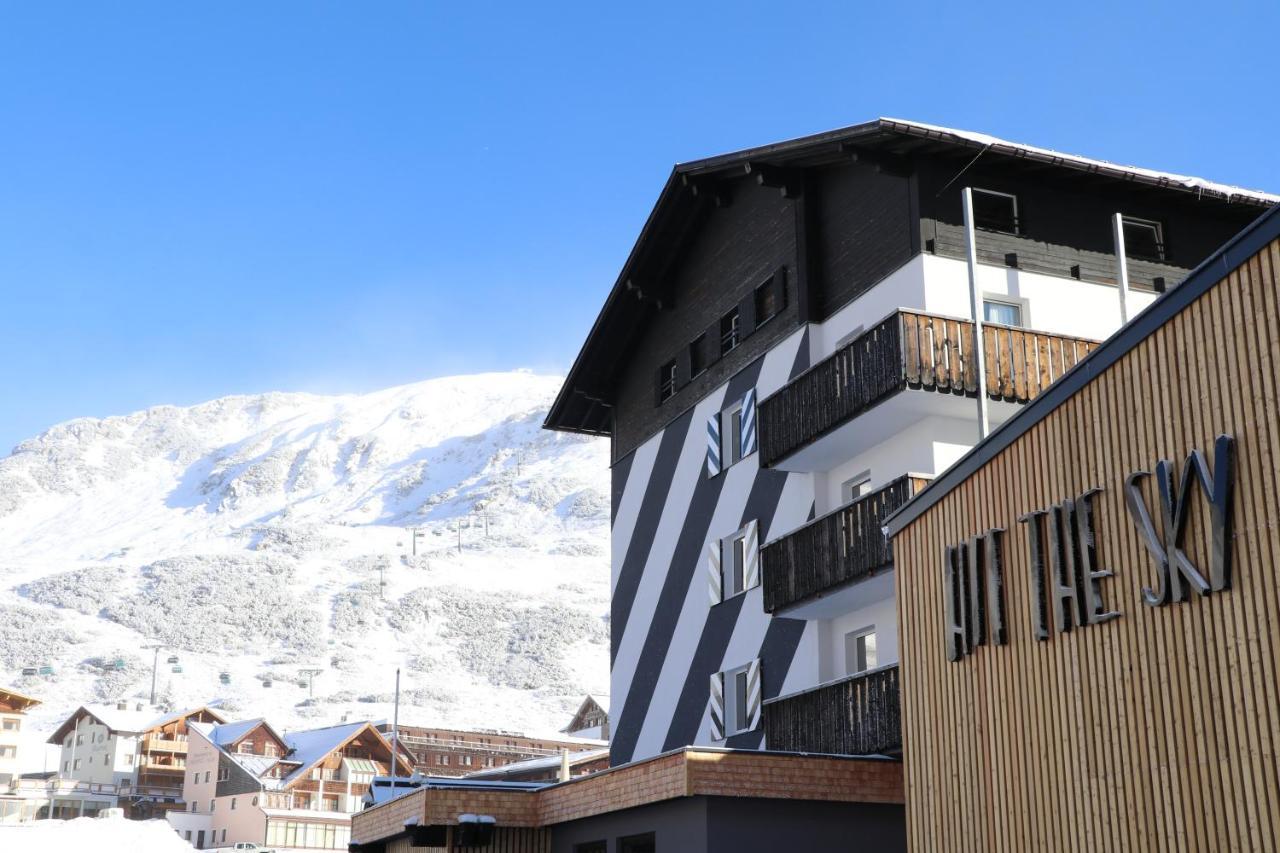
x,y
258,536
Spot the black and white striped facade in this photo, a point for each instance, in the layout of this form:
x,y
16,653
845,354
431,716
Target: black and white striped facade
x,y
797,250
672,505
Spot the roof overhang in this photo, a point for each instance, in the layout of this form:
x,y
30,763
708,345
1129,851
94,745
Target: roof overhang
x,y
584,403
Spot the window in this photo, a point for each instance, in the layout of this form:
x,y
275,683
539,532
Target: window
x,y
734,558
233,803
128,759
855,487
466,759
269,749
1143,239
244,748
212,805
1006,313
8,752
591,847
995,211
193,805
444,759
667,381
79,740
12,724
637,844
66,766
860,650
731,435
729,337
224,834
698,356
766,302
737,714
76,764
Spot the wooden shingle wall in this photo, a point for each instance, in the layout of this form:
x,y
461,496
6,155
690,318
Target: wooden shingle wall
x,y
1157,730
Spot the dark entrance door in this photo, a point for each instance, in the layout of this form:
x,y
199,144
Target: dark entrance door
x,y
200,840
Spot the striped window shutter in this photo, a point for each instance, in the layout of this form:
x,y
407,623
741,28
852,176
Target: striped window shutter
x,y
713,445
714,577
753,695
748,424
717,706
751,549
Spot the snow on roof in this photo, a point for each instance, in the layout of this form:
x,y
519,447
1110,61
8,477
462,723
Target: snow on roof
x,y
130,720
311,746
1186,181
547,762
228,733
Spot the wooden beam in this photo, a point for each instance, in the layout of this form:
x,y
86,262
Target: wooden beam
x,y
786,180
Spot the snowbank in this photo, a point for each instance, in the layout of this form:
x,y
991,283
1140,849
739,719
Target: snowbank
x,y
105,835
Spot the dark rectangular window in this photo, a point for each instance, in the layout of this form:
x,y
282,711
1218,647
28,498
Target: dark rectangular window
x,y
591,847
698,356
638,844
766,302
995,211
729,337
1143,239
667,381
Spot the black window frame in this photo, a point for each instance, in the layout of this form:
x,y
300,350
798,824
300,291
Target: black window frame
x,y
698,361
598,846
766,296
994,225
629,843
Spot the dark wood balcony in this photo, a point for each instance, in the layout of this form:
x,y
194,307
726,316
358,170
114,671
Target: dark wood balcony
x,y
858,715
839,548
910,350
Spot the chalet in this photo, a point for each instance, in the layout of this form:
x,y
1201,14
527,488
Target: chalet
x,y
246,782
552,768
130,756
454,752
804,335
591,719
13,709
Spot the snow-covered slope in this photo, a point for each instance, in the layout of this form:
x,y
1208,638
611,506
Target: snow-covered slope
x,y
260,536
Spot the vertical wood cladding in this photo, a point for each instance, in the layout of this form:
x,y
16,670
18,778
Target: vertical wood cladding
x,y
1157,729
863,230
737,248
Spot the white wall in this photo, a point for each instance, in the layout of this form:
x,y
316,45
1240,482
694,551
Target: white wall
x,y
882,615
929,446
1061,305
104,758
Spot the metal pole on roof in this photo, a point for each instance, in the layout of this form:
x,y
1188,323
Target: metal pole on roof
x,y
395,734
1122,267
975,305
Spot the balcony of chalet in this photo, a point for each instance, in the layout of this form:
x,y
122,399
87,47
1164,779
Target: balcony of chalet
x,y
909,366
833,551
858,715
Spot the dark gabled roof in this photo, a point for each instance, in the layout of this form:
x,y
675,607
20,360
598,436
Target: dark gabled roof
x,y
1203,278
584,402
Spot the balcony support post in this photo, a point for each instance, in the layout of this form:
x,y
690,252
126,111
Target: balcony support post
x,y
975,305
1122,267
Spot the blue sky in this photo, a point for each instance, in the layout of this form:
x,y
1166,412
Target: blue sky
x,y
217,198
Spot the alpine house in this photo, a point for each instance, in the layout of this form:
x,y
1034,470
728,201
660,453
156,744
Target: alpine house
x,y
789,354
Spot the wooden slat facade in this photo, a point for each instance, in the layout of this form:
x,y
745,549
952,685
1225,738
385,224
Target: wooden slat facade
x,y
910,349
1157,730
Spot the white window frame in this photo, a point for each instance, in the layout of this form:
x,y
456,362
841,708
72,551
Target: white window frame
x,y
850,489
728,570
854,636
731,710
1017,222
1023,306
1157,226
730,439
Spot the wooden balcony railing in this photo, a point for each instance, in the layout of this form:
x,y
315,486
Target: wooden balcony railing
x,y
159,743
837,549
910,349
859,715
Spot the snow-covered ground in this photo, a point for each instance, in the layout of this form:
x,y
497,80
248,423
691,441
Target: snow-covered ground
x,y
93,835
262,535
